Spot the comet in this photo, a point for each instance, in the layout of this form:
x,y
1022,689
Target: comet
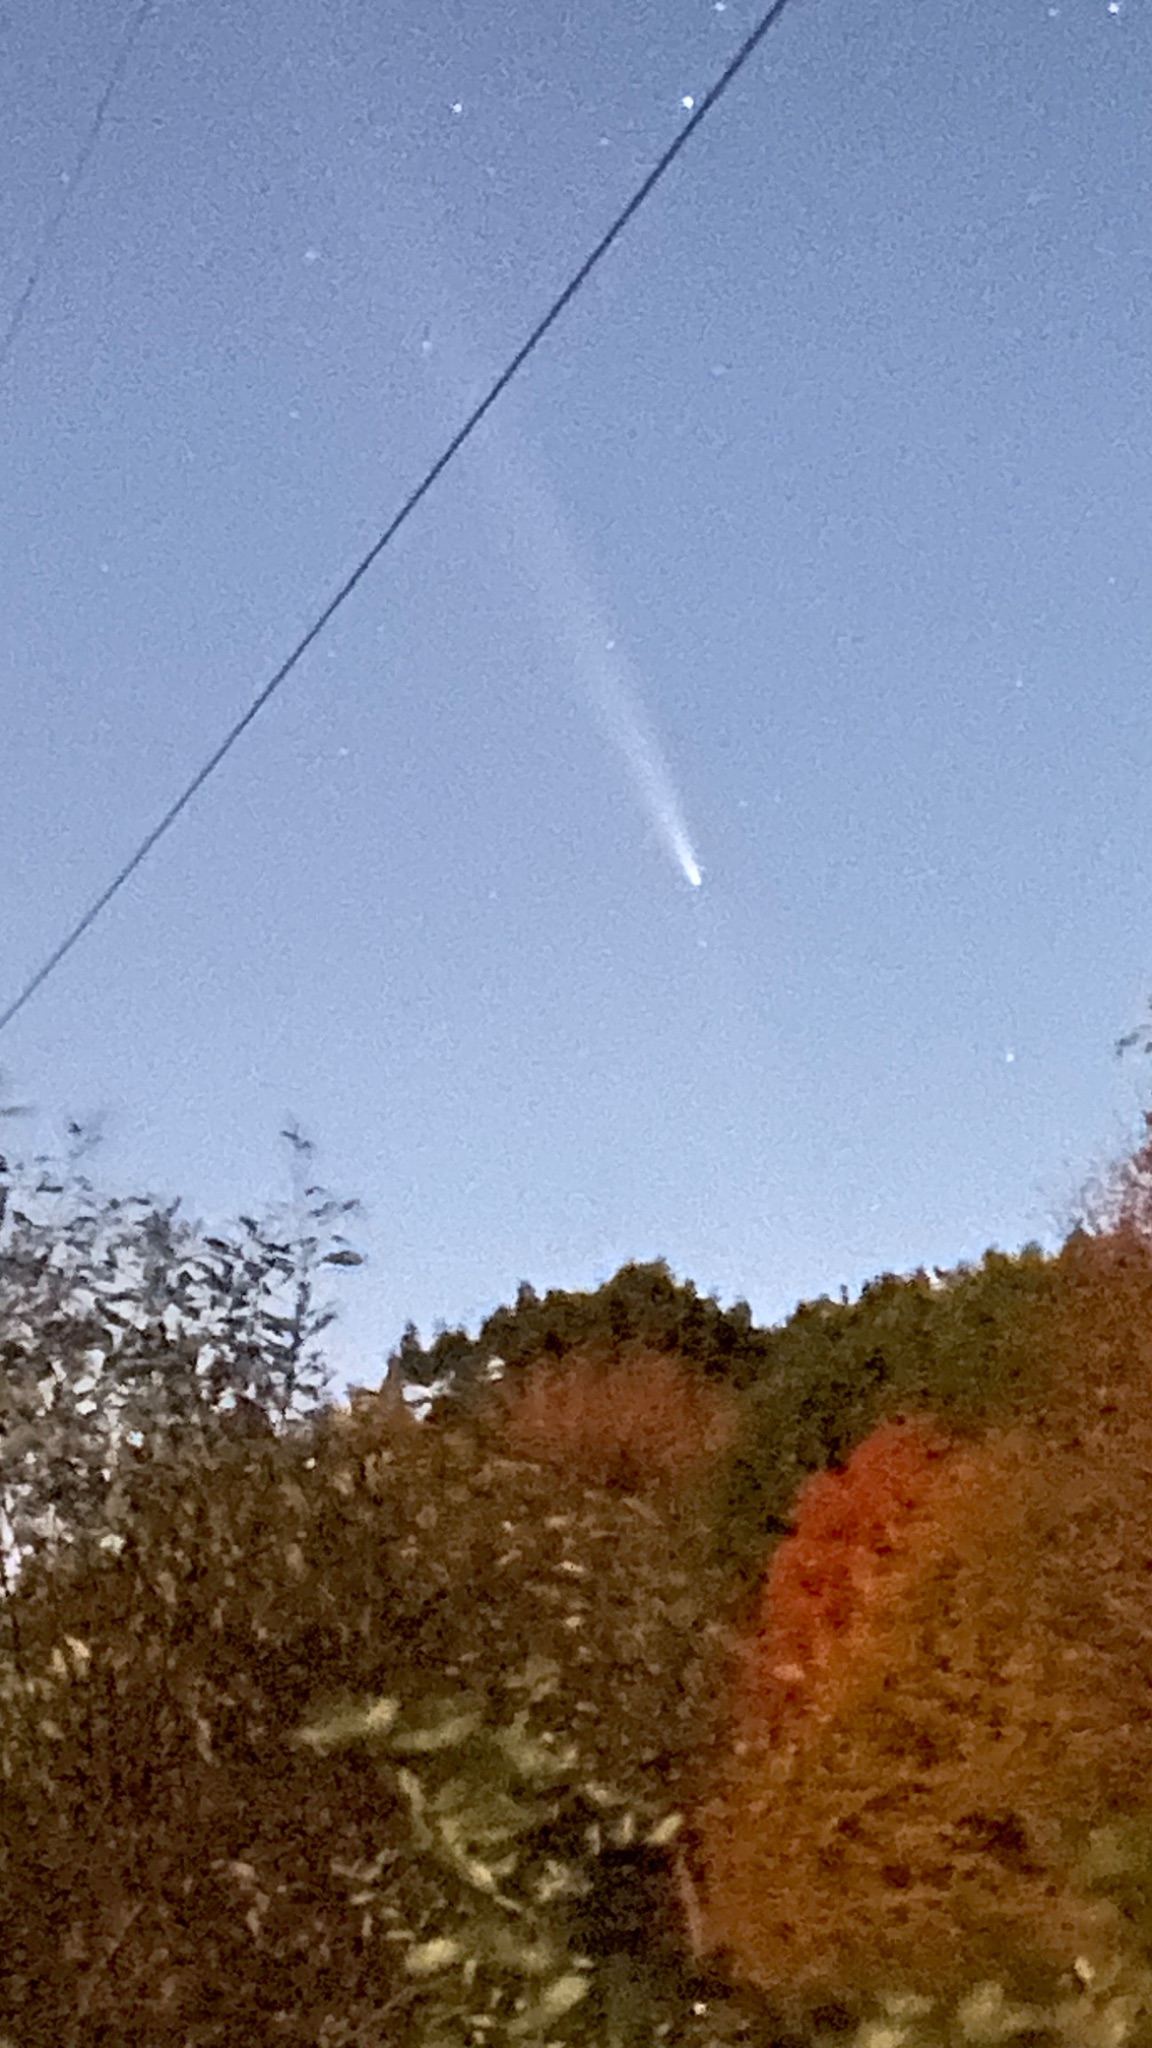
x,y
617,706
572,609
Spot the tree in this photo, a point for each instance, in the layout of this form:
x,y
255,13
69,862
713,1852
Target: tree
x,y
123,1327
939,1741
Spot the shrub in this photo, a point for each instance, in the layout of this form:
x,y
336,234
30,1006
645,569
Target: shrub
x,y
336,1741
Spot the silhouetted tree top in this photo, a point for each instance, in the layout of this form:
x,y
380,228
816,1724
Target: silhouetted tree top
x,y
643,1305
961,1337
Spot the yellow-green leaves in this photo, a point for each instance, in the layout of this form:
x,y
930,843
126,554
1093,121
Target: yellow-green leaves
x,y
428,1958
369,1720
559,1998
443,1726
534,1757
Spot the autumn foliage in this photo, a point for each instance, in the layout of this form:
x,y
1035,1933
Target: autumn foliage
x,y
634,1422
860,1536
930,1705
268,1743
945,1690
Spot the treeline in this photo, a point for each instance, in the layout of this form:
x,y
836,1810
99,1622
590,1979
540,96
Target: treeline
x,y
122,1323
963,1343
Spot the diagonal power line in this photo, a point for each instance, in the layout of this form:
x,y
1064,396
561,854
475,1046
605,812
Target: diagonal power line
x,y
56,218
558,306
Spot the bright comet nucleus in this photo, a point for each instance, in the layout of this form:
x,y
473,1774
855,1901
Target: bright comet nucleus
x,y
574,612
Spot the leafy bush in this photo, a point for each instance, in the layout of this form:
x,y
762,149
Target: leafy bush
x,y
274,1843
123,1326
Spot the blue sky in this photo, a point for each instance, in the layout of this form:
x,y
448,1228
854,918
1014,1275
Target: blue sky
x,y
845,449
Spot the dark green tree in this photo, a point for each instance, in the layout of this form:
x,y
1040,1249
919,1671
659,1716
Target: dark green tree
x,y
642,1305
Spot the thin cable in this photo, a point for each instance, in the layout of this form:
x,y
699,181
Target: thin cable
x,y
56,220
581,276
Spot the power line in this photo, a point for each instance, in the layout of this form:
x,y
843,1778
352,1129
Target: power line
x,y
74,177
580,278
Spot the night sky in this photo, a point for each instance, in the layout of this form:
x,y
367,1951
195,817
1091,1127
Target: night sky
x,y
809,554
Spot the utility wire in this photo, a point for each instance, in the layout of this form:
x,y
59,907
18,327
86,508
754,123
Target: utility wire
x,y
580,278
73,179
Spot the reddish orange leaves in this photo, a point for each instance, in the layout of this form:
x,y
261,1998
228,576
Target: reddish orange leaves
x,y
642,1421
859,1536
939,1686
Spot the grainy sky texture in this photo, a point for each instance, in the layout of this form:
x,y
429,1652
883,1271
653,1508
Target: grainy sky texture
x,y
811,547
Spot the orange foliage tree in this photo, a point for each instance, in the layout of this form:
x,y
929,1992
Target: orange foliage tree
x,y
945,1679
859,1533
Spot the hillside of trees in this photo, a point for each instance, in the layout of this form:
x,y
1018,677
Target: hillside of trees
x,y
674,1679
